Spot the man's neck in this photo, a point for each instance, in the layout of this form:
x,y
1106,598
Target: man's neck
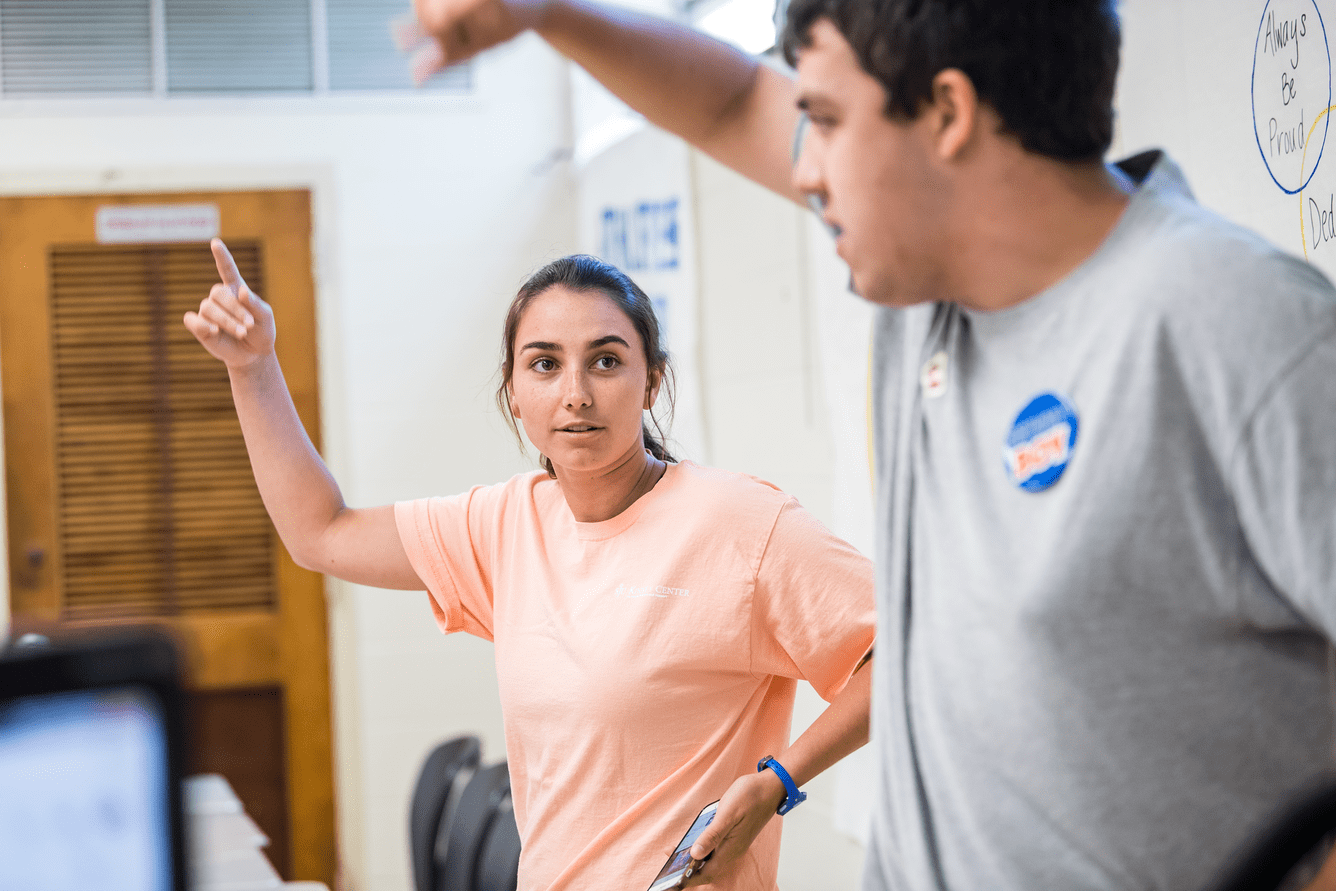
x,y
1036,220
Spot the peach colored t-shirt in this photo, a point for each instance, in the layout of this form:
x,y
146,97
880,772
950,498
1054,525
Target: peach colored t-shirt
x,y
644,662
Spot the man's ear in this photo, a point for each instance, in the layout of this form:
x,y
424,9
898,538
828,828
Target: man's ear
x,y
955,110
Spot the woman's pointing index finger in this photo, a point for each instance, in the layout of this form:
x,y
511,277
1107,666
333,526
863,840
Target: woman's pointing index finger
x,y
227,267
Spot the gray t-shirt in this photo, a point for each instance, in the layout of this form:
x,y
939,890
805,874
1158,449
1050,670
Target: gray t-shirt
x,y
1106,564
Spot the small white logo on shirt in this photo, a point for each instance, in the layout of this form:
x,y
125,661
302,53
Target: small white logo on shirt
x,y
933,376
630,591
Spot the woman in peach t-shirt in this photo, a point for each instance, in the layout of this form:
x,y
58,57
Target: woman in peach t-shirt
x,y
651,618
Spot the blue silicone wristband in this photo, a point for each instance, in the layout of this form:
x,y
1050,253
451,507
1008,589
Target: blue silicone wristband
x,y
793,796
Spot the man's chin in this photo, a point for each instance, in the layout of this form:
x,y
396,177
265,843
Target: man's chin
x,y
879,293
885,293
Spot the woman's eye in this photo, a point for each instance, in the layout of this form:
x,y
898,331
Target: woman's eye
x,y
605,363
543,365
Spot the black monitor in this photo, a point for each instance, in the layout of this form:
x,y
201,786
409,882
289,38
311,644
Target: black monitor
x,y
91,765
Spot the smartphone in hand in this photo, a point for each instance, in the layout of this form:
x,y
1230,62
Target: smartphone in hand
x,y
675,870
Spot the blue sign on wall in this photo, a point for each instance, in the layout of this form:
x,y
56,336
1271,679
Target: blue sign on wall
x,y
642,238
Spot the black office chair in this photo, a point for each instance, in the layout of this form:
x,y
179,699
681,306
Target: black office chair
x,y
459,843
1297,837
499,860
452,761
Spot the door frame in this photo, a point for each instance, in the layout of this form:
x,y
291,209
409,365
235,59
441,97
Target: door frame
x,y
223,650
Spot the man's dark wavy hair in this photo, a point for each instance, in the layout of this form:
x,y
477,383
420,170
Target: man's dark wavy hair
x,y
1047,67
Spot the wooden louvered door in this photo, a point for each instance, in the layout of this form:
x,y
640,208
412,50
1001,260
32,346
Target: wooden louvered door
x,y
130,496
145,432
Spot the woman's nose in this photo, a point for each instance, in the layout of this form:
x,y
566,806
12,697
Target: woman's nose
x,y
577,391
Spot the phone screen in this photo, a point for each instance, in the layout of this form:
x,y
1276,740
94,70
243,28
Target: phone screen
x,y
681,856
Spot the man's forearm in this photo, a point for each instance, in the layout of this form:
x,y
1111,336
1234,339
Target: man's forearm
x,y
713,95
719,99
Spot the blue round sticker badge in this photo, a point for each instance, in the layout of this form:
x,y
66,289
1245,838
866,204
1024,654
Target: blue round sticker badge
x,y
1040,443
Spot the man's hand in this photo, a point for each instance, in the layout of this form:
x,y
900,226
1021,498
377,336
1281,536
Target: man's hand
x,y
746,807
443,32
233,323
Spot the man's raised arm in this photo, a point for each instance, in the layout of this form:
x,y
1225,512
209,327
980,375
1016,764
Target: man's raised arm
x,y
714,96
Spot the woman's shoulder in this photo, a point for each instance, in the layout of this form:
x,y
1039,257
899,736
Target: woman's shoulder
x,y
728,490
526,482
533,487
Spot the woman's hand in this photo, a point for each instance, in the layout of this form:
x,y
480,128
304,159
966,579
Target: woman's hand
x,y
752,800
233,323
749,804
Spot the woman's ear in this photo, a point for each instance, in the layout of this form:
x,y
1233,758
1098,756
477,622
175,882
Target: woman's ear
x,y
510,401
651,389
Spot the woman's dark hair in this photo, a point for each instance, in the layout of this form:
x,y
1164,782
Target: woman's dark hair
x,y
581,272
1047,67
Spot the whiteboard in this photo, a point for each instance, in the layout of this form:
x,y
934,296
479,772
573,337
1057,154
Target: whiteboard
x,y
1239,92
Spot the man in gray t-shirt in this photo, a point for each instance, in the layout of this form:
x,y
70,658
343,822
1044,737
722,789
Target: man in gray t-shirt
x,y
1106,437
1106,563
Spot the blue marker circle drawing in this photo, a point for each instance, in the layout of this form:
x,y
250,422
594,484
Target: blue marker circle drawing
x,y
1040,443
1268,21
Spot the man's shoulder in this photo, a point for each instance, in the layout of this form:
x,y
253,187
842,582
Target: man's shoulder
x,y
1187,259
1218,302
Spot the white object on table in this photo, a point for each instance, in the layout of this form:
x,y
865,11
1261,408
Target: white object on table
x,y
225,843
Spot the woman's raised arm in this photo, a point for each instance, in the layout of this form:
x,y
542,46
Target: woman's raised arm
x,y
303,500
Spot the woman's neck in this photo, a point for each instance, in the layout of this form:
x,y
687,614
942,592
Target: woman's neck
x,y
603,494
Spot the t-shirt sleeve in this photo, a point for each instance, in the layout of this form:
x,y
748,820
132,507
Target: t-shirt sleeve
x,y
813,610
1285,485
446,540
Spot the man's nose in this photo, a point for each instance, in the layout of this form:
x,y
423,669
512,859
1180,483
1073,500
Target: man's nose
x,y
808,176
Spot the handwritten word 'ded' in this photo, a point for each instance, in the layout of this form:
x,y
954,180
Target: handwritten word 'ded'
x,y
1322,220
1048,449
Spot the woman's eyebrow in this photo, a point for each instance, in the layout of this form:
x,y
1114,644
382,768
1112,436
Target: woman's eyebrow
x,y
549,347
